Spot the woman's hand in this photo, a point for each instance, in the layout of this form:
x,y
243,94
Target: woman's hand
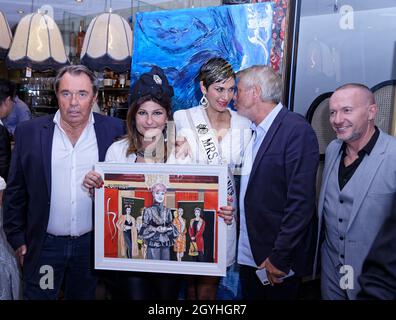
x,y
183,149
227,213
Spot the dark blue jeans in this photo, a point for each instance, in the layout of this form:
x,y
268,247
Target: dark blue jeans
x,y
67,260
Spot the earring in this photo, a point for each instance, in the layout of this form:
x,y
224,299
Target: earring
x,y
164,133
203,103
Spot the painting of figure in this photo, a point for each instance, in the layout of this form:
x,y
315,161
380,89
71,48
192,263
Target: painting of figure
x,y
126,225
157,229
180,243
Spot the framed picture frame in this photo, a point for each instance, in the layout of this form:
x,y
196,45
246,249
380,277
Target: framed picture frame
x,y
161,218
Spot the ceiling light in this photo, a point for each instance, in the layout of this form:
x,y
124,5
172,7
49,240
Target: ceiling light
x,y
37,44
108,44
5,36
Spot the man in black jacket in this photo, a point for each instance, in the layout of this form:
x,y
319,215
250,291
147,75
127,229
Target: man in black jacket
x,y
378,278
47,214
5,146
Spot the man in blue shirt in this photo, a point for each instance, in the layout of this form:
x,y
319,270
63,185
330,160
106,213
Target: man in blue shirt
x,y
18,113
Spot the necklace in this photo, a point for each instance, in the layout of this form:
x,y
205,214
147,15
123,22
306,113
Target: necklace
x,y
141,153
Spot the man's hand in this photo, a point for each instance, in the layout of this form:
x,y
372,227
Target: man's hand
x,y
20,253
93,180
273,273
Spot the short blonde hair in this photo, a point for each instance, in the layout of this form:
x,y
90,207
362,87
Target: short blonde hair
x,y
158,186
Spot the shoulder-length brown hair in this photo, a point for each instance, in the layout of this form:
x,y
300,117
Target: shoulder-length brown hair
x,y
133,136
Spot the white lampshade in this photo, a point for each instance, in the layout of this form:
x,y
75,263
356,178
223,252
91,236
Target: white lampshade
x,y
5,36
108,44
37,44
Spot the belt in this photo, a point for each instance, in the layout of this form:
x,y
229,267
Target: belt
x,y
67,237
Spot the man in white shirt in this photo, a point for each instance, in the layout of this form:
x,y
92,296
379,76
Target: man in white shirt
x,y
47,213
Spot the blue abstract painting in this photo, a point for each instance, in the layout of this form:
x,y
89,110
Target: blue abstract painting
x,y
180,41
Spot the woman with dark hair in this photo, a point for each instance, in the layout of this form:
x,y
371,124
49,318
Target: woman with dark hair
x,y
147,119
146,141
215,134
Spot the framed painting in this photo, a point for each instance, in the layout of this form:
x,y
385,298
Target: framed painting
x,y
161,218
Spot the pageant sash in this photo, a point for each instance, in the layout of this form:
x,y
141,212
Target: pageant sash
x,y
208,143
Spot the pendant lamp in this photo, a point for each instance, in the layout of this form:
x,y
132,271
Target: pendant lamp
x,y
37,44
108,44
5,36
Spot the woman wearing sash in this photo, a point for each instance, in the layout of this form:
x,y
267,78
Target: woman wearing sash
x,y
146,141
214,134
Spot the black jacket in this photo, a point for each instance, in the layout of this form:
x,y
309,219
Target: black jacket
x,y
5,152
378,278
280,196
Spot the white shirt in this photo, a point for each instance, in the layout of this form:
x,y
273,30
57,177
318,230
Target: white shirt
x,y
245,255
117,152
71,205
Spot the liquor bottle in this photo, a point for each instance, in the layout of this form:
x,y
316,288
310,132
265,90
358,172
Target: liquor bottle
x,y
116,81
108,79
80,38
122,80
72,42
127,80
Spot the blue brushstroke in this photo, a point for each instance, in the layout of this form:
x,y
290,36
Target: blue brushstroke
x,y
180,41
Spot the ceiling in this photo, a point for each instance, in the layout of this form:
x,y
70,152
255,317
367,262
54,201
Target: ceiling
x,y
66,8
